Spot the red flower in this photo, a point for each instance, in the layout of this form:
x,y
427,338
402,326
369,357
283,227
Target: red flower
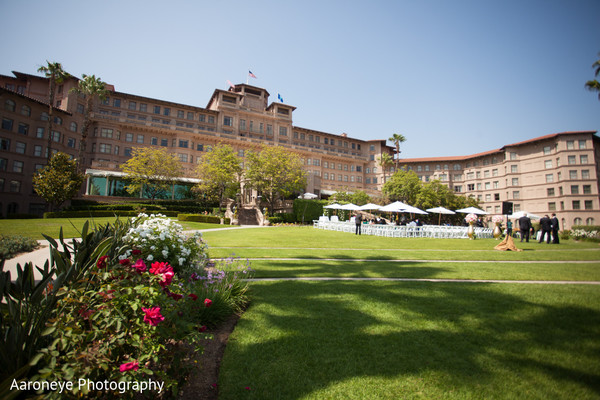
x,y
158,267
167,277
207,302
193,296
102,262
140,266
203,328
85,312
125,261
129,366
174,296
136,252
152,316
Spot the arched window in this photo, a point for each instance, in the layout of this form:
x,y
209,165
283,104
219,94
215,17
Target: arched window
x,y
26,111
577,221
9,105
73,126
44,116
589,221
58,120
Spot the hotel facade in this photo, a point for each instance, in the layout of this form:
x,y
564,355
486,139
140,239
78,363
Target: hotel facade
x,y
553,173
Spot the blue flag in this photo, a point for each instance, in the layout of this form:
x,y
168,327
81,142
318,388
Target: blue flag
x,y
279,97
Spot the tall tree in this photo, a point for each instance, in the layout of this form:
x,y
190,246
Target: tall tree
x,y
152,171
384,161
594,85
274,172
56,75
91,88
58,181
403,186
397,138
220,172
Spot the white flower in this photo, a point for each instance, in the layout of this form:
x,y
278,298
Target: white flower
x,y
150,257
181,260
165,253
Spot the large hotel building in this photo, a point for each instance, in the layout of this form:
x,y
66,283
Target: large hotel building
x,y
556,173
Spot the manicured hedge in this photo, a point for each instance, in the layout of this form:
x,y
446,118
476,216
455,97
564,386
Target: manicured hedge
x,y
102,213
311,209
209,219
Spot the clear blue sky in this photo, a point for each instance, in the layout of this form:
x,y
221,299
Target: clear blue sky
x,y
454,77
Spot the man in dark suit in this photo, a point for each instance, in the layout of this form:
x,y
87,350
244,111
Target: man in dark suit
x,y
546,228
555,227
358,222
525,226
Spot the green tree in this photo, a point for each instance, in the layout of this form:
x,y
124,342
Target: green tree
x,y
403,186
151,170
58,181
384,161
220,172
360,198
594,85
91,88
56,75
435,194
275,173
397,138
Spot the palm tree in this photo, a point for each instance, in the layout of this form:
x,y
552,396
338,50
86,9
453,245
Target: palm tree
x,y
90,87
385,160
594,86
397,138
55,74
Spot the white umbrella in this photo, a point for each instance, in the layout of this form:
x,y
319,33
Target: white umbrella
x,y
308,196
399,206
370,206
471,210
350,206
334,206
440,210
519,214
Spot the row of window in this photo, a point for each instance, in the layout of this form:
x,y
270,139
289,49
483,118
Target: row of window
x,y
158,110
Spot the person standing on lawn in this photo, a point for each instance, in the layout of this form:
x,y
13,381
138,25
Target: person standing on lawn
x,y
555,227
546,228
358,222
525,227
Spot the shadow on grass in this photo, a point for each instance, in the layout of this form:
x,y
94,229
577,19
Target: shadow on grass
x,y
317,339
354,269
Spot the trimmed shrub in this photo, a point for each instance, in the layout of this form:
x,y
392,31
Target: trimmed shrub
x,y
99,213
208,219
589,233
308,210
13,245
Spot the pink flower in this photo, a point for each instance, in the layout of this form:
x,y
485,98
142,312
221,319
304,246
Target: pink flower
x,y
167,277
102,262
193,296
207,302
174,296
152,316
139,266
129,366
158,267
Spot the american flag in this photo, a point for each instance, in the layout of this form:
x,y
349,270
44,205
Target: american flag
x,y
251,75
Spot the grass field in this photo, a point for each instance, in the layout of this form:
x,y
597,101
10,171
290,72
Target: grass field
x,y
411,340
423,339
34,228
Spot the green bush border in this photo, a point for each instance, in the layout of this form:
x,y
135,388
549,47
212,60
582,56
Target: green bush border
x,y
103,213
209,219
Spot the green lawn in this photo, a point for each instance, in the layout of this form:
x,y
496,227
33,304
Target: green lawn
x,y
34,228
408,340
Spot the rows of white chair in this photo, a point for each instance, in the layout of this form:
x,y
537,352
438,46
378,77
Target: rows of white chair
x,y
402,231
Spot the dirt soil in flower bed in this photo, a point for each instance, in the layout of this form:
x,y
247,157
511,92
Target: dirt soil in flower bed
x,y
202,382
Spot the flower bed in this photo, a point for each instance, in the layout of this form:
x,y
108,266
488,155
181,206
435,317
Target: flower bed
x,y
147,289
